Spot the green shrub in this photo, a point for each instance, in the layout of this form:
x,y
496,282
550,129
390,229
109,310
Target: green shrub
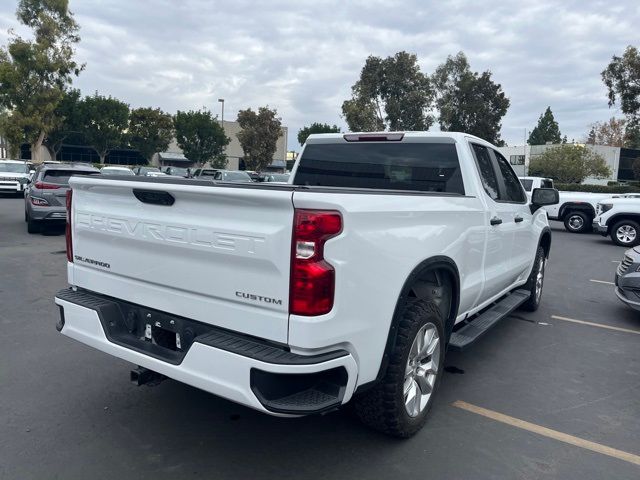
x,y
577,187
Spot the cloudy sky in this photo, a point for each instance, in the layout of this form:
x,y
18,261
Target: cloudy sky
x,y
302,57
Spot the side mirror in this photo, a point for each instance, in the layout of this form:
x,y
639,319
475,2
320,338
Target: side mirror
x,y
544,196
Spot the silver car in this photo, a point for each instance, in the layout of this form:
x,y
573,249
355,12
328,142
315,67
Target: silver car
x,y
46,194
628,279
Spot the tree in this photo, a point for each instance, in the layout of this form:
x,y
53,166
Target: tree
x,y
104,122
622,79
611,133
546,131
67,122
150,131
34,74
392,93
316,128
201,137
259,136
632,134
569,164
467,101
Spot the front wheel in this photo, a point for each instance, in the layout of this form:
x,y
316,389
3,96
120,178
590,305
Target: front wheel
x,y
398,405
626,233
577,222
535,282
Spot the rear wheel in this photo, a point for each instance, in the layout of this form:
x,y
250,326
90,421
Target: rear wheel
x,y
577,222
399,404
626,233
33,226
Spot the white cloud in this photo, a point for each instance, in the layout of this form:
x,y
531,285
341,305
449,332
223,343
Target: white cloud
x,y
302,57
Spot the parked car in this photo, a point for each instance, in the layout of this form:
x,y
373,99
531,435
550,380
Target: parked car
x,y
575,209
627,279
345,284
236,176
14,176
276,177
148,172
45,196
203,172
113,170
620,219
177,171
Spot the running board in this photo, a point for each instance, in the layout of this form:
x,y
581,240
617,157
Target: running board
x,y
480,325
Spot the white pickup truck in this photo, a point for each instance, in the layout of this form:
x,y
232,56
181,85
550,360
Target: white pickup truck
x,y
620,219
575,209
350,282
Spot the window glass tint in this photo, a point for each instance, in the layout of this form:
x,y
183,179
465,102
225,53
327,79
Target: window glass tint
x,y
61,177
546,183
428,167
237,176
487,174
527,184
513,189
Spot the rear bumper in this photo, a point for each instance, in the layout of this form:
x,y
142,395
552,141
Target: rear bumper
x,y
263,377
48,214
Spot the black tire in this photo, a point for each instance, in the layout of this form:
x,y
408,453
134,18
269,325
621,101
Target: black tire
x,y
33,226
633,230
532,304
577,222
382,408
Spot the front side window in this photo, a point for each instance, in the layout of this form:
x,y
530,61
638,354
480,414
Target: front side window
x,y
487,173
513,189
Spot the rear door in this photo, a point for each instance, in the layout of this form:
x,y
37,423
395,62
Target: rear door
x,y
215,254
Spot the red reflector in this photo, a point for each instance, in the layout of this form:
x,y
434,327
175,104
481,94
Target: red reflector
x,y
46,186
67,229
312,278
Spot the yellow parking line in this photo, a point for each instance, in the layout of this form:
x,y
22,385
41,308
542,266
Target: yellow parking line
x,y
592,324
602,281
549,433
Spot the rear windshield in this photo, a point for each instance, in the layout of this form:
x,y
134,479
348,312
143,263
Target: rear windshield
x,y
61,177
526,184
237,176
428,167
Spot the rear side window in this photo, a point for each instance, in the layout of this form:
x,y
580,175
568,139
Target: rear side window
x,y
427,167
513,190
546,183
61,177
527,184
487,173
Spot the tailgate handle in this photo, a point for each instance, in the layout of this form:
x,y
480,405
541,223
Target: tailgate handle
x,y
154,197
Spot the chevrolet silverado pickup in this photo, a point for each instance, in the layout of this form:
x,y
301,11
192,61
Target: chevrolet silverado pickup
x,y
349,283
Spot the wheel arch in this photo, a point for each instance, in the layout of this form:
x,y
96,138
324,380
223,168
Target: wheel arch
x,y
576,206
620,217
448,274
545,241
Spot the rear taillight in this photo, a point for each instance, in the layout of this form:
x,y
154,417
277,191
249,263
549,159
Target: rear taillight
x,y
312,278
67,229
46,186
40,202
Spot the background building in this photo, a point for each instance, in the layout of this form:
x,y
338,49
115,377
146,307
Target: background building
x,y
619,160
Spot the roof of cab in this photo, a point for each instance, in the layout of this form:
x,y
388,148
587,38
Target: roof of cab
x,y
329,137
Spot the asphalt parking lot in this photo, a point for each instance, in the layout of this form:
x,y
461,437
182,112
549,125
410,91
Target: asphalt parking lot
x,y
506,407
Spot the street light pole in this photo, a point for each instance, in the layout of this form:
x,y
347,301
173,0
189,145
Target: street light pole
x,y
221,100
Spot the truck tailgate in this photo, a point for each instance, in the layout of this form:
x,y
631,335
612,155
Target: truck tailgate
x,y
218,254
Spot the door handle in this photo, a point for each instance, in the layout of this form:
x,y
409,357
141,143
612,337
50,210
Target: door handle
x,y
495,221
518,219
